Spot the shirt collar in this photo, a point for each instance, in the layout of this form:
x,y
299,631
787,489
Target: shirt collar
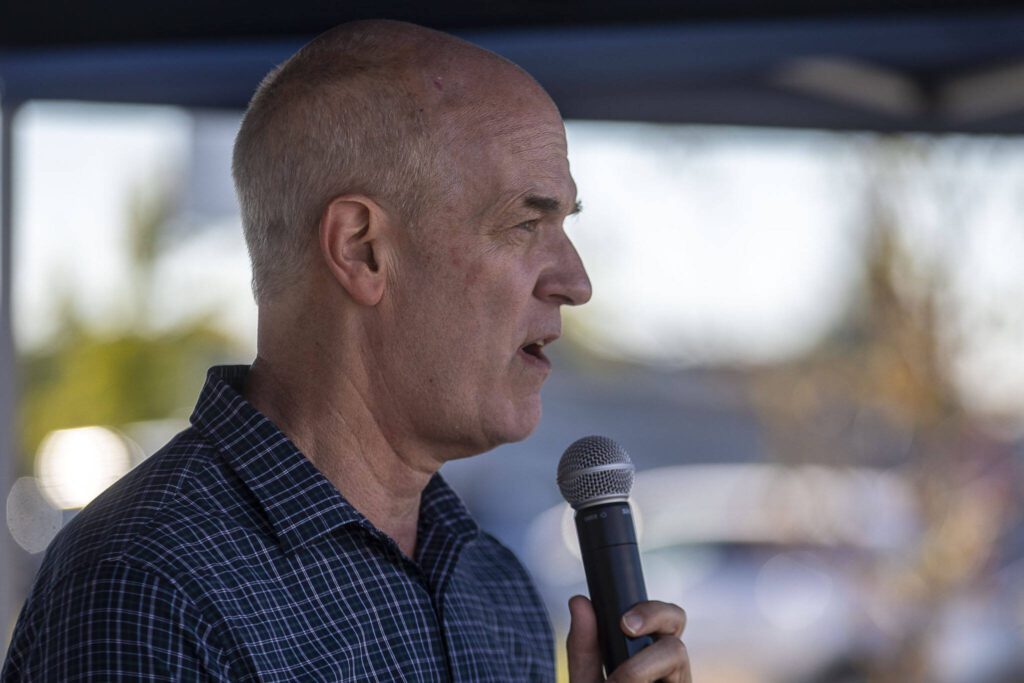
x,y
300,502
441,505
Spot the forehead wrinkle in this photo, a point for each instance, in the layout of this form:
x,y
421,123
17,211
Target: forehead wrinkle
x,y
537,140
487,115
534,185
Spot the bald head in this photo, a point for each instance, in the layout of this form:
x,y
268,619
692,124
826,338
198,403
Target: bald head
x,y
375,108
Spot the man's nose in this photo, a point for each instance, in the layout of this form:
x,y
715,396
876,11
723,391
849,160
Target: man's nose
x,y
565,281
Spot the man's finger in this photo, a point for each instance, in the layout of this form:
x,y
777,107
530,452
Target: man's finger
x,y
583,653
654,618
665,660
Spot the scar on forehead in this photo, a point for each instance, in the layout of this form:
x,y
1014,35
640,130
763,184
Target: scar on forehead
x,y
438,83
549,204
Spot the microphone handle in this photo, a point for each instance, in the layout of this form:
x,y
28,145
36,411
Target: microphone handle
x,y
614,576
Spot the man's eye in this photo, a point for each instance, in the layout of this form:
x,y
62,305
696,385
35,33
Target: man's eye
x,y
529,226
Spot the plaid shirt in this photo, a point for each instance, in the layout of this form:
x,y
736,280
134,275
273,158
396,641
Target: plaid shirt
x,y
228,556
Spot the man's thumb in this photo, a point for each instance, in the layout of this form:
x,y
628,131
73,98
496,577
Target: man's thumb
x,y
583,653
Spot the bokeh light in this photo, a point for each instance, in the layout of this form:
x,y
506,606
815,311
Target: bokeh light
x,y
32,521
74,466
793,591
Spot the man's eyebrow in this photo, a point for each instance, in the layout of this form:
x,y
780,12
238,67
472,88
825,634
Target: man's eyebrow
x,y
549,204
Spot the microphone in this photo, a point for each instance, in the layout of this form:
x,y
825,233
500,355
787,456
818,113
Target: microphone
x,y
595,476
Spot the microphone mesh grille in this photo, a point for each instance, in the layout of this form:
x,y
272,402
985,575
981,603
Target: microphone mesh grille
x,y
593,469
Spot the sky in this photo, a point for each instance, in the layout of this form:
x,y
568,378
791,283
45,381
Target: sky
x,y
78,168
705,245
709,246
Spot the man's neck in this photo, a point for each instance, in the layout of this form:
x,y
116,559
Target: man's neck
x,y
330,423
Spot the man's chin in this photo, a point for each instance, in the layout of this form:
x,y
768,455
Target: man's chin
x,y
525,421
496,433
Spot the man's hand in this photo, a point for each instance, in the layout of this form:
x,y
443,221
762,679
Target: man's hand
x,y
665,660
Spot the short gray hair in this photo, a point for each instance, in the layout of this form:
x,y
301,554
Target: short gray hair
x,y
336,118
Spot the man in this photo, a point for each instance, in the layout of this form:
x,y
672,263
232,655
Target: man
x,y
403,194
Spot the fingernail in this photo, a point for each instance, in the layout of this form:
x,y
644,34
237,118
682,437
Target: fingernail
x,y
633,622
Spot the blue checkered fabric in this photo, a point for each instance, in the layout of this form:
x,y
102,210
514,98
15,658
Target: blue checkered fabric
x,y
228,556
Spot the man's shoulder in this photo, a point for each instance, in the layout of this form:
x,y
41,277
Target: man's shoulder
x,y
167,513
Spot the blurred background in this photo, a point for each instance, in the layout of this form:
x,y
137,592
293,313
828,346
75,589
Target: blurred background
x,y
805,230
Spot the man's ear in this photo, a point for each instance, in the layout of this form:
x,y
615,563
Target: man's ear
x,y
354,235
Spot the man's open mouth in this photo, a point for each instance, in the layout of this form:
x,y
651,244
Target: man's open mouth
x,y
535,350
534,353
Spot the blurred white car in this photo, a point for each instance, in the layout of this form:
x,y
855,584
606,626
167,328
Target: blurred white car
x,y
788,574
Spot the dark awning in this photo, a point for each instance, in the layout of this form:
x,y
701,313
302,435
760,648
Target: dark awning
x,y
883,66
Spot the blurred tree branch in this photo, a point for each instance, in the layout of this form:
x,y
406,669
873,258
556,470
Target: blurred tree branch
x,y
888,370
